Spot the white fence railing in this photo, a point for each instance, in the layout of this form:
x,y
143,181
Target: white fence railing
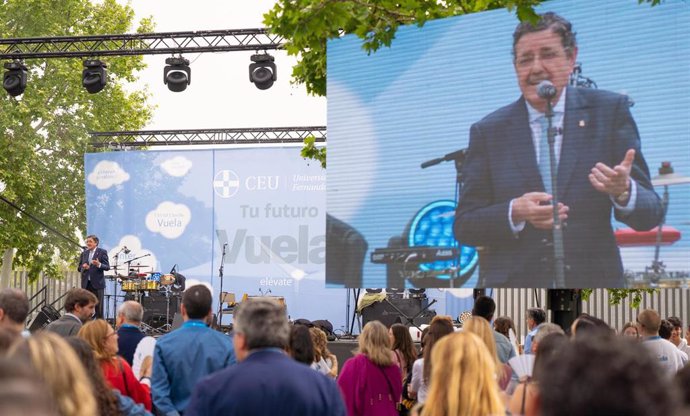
x,y
668,302
44,290
509,302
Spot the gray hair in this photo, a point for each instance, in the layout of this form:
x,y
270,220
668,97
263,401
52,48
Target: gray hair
x,y
132,311
545,329
263,322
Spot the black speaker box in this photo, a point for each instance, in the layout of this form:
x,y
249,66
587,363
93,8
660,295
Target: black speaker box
x,y
386,313
155,307
47,315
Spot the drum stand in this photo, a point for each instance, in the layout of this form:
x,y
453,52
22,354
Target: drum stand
x,y
168,326
114,296
106,312
149,330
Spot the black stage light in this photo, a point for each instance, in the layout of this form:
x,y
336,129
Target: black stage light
x,y
177,74
14,79
262,71
93,78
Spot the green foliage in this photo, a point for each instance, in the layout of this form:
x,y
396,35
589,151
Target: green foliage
x,y
616,296
44,132
311,151
308,24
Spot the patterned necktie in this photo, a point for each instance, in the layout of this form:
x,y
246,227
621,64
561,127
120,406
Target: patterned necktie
x,y
91,253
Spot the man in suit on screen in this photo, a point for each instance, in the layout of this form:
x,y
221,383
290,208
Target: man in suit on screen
x,y
92,263
505,202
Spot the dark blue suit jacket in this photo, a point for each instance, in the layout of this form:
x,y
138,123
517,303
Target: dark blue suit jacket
x,y
267,382
501,165
94,273
127,341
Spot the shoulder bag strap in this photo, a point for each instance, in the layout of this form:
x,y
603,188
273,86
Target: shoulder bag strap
x,y
390,386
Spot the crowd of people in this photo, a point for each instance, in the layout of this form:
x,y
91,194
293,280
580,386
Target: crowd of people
x,y
268,366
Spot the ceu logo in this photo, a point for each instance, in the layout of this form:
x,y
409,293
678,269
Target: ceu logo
x,y
226,183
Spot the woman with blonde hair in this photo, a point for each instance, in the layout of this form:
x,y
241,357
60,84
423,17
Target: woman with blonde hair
x,y
102,338
370,381
57,364
324,361
463,379
481,328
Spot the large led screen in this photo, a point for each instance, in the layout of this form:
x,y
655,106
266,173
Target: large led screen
x,y
440,170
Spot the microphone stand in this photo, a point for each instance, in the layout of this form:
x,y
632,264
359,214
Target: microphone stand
x,y
458,158
559,254
220,275
114,295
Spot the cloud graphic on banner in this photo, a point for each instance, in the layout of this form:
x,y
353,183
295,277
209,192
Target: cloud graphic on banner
x,y
106,174
146,260
177,166
169,219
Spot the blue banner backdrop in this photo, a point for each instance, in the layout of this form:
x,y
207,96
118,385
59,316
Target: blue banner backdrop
x,y
181,207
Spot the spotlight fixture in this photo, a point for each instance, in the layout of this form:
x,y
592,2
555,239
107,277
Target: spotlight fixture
x,y
93,77
14,79
262,71
177,74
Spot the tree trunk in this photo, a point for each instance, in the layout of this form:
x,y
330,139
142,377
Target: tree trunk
x,y
6,271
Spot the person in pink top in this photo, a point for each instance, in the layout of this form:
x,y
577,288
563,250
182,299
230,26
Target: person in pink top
x,y
370,381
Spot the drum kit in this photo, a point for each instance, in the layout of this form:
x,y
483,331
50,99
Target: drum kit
x,y
152,290
143,284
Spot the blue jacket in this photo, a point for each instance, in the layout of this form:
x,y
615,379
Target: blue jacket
x,y
182,358
267,382
128,338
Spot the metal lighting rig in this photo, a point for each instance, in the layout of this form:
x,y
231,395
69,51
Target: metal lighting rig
x,y
139,44
123,140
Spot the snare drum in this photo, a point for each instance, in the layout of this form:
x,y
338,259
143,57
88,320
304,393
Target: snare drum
x,y
167,279
130,285
149,285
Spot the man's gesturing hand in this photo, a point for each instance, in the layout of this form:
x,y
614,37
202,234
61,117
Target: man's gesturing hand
x,y
614,181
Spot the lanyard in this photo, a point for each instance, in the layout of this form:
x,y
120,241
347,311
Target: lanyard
x,y
195,323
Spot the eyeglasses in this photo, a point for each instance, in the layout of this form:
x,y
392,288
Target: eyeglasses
x,y
546,56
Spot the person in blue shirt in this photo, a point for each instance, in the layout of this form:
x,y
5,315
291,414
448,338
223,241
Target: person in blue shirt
x,y
266,381
186,355
534,318
485,307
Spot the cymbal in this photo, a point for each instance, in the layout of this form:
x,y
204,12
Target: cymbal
x,y
670,179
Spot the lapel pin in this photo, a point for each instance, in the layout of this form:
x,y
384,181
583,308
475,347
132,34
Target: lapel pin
x,y
581,123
